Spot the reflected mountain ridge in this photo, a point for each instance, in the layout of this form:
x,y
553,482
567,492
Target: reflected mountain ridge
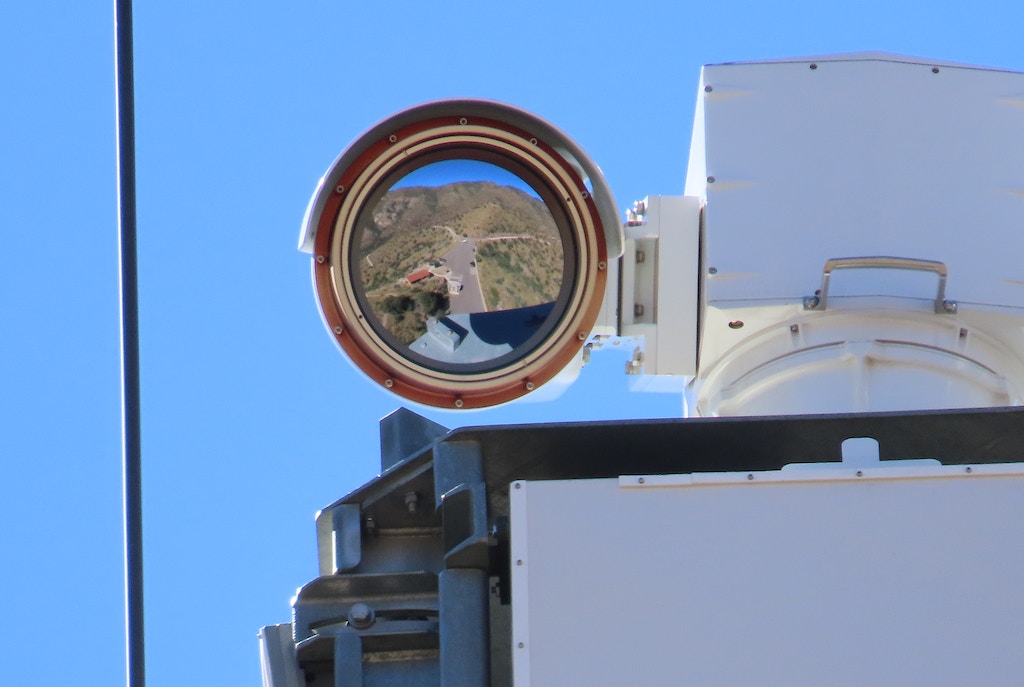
x,y
430,253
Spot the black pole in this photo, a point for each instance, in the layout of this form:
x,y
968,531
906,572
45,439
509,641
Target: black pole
x,y
130,417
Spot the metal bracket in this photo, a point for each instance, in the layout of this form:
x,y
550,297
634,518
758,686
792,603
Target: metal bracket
x,y
461,495
819,301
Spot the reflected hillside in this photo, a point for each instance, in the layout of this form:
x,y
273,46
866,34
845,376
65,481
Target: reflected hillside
x,y
464,247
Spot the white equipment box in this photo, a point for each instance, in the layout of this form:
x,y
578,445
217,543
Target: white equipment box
x,y
839,575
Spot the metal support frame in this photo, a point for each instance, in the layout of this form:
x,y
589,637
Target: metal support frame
x,y
414,564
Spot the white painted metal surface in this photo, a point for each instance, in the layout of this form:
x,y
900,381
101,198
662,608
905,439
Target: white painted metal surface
x,y
808,160
660,285
813,576
863,155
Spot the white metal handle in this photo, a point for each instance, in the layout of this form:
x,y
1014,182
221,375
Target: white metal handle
x,y
819,300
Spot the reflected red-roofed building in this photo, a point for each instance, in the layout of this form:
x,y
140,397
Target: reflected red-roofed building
x,y
417,275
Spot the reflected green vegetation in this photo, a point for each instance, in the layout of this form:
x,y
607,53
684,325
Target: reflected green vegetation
x,y
458,248
404,311
520,272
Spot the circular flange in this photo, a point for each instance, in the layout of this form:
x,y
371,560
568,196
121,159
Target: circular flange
x,y
460,252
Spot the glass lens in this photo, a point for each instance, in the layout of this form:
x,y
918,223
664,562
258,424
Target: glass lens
x,y
461,261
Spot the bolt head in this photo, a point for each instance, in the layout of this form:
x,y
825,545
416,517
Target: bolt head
x,y
361,616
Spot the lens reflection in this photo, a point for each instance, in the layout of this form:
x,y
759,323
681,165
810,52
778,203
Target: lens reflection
x,y
461,261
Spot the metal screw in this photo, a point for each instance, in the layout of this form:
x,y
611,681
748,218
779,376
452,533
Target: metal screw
x,y
860,473
750,476
640,480
794,328
389,383
339,189
813,65
708,89
519,485
530,386
519,562
602,265
338,330
458,403
520,645
392,138
736,324
711,180
712,270
935,70
463,121
582,336
320,259
533,141
360,616
968,469
811,302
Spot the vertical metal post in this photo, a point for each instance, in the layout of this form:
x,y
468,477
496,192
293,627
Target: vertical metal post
x,y
465,628
131,425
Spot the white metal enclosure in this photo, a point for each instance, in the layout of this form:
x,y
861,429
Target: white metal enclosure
x,y
822,576
840,192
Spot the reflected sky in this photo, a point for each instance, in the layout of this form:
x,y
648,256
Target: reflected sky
x,y
453,171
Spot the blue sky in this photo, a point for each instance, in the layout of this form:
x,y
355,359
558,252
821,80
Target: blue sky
x,y
251,419
451,171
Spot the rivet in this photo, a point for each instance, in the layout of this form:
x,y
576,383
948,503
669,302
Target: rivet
x,y
968,469
458,403
533,141
708,89
389,383
640,481
813,65
520,645
794,328
392,138
585,195
736,324
519,562
338,329
860,473
339,189
463,121
602,265
712,270
935,70
519,485
582,336
530,386
750,475
711,180
320,259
